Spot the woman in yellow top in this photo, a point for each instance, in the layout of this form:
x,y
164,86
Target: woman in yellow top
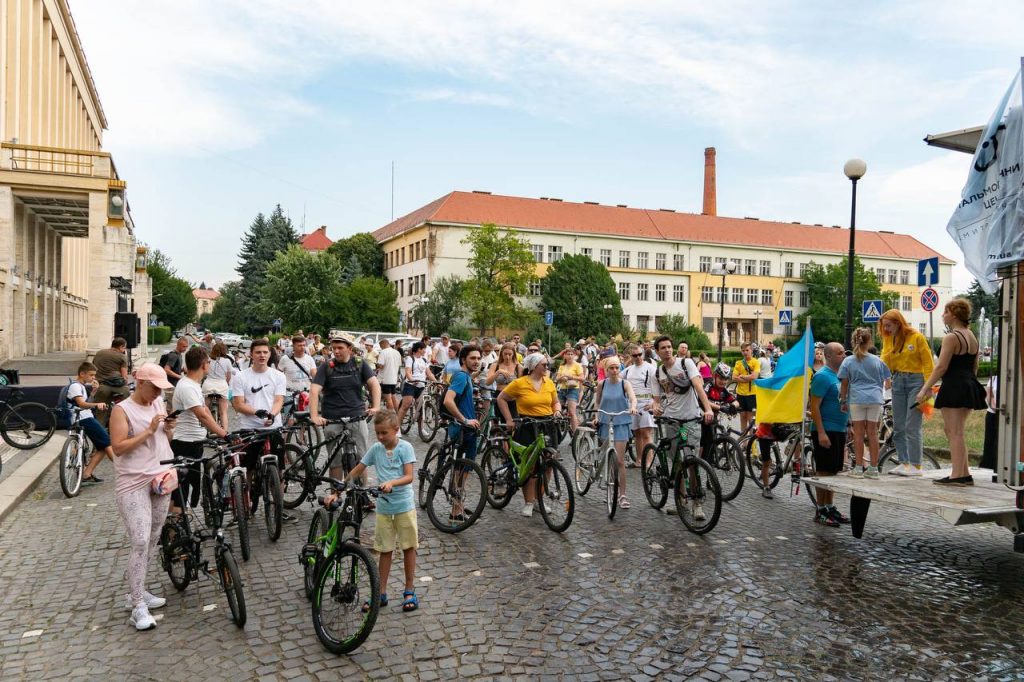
x,y
568,379
535,396
910,360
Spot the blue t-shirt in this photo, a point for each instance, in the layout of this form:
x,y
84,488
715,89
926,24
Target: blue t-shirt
x,y
452,366
388,467
825,385
463,388
866,379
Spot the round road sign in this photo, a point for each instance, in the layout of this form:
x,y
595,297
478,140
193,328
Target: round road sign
x,y
929,299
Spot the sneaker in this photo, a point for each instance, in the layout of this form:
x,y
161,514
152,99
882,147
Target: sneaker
x,y
856,472
670,510
152,601
141,619
528,509
837,515
767,494
698,511
871,472
900,469
92,480
824,519
914,470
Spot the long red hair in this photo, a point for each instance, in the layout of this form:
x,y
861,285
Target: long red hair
x,y
903,329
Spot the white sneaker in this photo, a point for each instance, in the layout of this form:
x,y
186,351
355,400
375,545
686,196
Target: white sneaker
x,y
698,511
856,472
900,469
528,509
914,470
141,619
152,601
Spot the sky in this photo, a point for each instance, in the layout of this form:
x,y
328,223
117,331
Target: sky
x,y
220,110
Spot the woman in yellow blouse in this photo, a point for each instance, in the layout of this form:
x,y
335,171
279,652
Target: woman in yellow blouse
x,y
910,360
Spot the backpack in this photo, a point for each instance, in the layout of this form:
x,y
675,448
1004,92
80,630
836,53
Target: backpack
x,y
443,410
62,410
678,386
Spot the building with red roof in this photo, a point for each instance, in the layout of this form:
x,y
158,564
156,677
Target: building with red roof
x,y
317,240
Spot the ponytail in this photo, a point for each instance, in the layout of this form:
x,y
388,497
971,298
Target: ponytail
x,y
861,342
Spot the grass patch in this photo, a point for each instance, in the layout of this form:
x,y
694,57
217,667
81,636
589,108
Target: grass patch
x,y
934,437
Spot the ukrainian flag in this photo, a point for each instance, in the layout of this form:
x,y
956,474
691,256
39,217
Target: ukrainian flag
x,y
782,397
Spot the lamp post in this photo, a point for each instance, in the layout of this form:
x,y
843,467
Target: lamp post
x,y
722,269
855,170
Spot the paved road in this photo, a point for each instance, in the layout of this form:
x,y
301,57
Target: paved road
x,y
767,594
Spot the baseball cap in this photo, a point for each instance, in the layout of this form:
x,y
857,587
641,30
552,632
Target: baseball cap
x,y
342,339
153,373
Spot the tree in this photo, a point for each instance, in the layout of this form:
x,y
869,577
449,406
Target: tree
x,y
364,247
229,311
501,266
979,299
305,289
173,302
370,304
260,245
352,271
826,288
576,289
441,310
680,330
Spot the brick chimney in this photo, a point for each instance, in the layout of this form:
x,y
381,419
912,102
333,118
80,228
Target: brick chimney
x,y
710,192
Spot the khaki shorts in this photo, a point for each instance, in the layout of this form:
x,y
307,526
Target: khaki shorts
x,y
396,529
870,412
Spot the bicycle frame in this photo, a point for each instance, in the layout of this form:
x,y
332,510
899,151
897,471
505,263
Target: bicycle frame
x,y
525,457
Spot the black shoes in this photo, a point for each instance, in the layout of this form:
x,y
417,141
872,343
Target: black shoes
x,y
960,481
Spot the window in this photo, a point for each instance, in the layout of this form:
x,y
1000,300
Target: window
x,y
606,257
707,294
623,259
538,252
534,287
892,277
766,268
625,321
803,269
401,288
424,249
737,295
641,262
643,322
787,296
767,325
720,260
659,292
677,293
904,276
749,266
641,291
766,296
751,295
880,275
709,324
905,303
554,254
705,263
624,291
587,251
412,290
416,251
789,268
738,262
403,255
423,283
659,261
677,262
721,294
923,328
804,299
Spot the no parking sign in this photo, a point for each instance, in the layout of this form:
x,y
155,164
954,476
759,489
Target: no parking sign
x,y
929,299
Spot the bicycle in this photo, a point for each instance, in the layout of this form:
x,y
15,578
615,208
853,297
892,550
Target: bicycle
x,y
339,573
446,478
508,466
691,478
304,469
25,425
73,455
266,480
725,455
424,412
181,553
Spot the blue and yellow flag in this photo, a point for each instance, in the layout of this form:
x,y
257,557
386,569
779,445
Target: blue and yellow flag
x,y
781,398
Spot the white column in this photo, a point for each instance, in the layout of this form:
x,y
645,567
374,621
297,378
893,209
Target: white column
x,y
6,260
102,300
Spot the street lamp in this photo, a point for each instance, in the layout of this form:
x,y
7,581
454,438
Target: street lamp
x,y
855,170
722,269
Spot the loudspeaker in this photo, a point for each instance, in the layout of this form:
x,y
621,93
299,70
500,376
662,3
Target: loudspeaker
x,y
126,325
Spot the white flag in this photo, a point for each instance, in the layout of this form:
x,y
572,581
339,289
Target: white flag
x,y
988,223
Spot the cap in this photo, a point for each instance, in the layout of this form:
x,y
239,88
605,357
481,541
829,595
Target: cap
x,y
342,339
607,353
153,373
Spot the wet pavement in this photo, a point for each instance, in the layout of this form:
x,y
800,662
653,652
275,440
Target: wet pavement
x,y
767,594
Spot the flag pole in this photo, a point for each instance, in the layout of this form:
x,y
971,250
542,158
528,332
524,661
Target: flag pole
x,y
808,349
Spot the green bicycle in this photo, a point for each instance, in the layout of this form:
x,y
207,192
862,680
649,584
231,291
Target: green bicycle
x,y
698,495
508,466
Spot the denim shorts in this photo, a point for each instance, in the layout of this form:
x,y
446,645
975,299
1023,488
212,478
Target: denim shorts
x,y
621,432
97,434
567,394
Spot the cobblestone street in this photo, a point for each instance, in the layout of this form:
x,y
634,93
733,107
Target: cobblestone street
x,y
767,594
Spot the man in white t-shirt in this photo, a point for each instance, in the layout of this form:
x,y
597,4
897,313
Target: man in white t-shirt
x,y
641,376
193,422
298,367
257,395
439,353
389,363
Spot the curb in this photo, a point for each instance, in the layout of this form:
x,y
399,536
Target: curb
x,y
19,484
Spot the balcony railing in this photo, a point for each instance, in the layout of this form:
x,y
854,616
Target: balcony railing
x,y
56,160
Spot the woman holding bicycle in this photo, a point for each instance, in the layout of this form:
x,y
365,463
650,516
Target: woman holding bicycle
x,y
616,405
535,396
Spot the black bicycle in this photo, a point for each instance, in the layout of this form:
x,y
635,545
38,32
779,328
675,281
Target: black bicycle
x,y
266,479
451,488
304,469
673,464
25,425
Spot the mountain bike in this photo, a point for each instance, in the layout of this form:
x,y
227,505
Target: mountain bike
x,y
508,466
692,480
726,456
25,425
304,469
339,573
74,454
451,487
266,481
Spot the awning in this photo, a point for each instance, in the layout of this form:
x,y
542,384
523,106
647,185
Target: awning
x,y
965,140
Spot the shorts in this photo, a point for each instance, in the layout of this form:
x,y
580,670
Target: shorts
x,y
870,412
567,394
643,419
411,389
830,460
468,440
97,434
360,434
396,530
255,450
215,387
620,433
527,431
388,389
748,403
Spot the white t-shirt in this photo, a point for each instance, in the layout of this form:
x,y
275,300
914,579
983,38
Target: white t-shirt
x,y
641,378
78,390
187,394
219,369
485,368
440,353
259,390
296,379
419,370
389,361
680,406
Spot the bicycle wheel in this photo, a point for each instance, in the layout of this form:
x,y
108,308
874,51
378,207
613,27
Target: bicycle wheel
x,y
500,476
584,454
347,580
27,425
611,481
176,557
654,479
407,419
317,528
698,495
430,421
213,509
231,583
889,460
297,475
426,473
71,468
272,502
554,492
240,510
728,464
753,462
456,496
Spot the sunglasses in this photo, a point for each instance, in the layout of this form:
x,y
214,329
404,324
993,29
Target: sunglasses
x,y
637,355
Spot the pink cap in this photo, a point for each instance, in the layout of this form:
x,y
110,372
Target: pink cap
x,y
154,373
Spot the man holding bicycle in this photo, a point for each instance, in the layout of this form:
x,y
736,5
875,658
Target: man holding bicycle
x,y
458,402
257,395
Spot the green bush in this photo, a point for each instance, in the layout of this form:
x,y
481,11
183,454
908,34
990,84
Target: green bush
x,y
987,368
158,336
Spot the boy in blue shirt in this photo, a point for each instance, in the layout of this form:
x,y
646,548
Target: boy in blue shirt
x,y
392,459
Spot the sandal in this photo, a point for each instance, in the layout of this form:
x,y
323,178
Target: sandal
x,y
624,503
383,602
411,603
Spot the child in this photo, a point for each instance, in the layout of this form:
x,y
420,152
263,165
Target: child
x,y
720,398
77,393
396,513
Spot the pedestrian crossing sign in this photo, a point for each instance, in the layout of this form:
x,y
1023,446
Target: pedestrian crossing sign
x,y
785,318
871,311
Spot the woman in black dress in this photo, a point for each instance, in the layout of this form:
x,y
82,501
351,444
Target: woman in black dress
x,y
960,391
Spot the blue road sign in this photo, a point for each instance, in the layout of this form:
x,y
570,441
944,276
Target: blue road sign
x,y
871,311
785,318
929,299
549,318
928,272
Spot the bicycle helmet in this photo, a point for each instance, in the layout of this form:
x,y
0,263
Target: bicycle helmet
x,y
723,370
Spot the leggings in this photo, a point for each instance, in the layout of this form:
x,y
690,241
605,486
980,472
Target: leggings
x,y
143,514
